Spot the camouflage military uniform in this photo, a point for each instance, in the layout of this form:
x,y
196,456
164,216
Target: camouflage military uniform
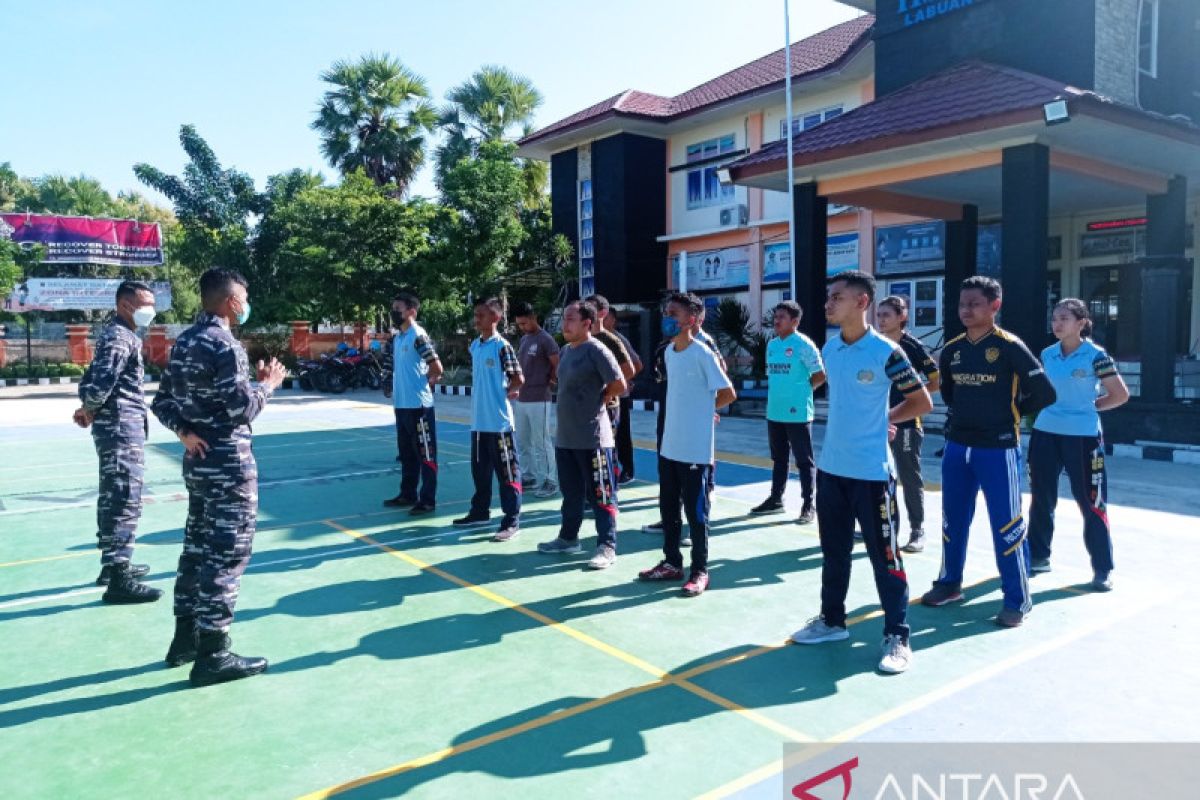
x,y
111,390
206,390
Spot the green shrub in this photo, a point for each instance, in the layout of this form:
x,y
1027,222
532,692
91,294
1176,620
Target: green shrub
x,y
5,372
70,370
53,370
20,371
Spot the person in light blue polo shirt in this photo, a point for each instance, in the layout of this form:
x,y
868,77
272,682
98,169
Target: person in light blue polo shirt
x,y
1067,436
411,367
496,379
855,478
794,370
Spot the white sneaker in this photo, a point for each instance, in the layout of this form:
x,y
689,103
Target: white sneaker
x,y
817,632
506,534
604,557
897,655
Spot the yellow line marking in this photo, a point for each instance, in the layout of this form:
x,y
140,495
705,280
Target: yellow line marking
x,y
45,558
978,676
663,677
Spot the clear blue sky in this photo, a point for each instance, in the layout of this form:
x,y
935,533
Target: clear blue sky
x,y
93,88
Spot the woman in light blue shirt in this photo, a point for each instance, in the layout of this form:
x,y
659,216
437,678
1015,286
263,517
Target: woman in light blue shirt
x,y
1067,436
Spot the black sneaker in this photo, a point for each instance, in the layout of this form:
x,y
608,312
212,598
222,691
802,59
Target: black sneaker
x,y
216,663
1039,565
399,501
807,515
183,644
421,508
769,506
471,519
136,570
625,479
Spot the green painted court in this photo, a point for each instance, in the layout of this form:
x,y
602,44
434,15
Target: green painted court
x,y
412,658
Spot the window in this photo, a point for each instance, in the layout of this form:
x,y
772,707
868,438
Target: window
x,y
587,261
1148,38
810,120
703,187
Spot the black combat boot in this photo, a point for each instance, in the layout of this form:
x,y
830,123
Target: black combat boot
x,y
136,570
183,646
124,588
215,663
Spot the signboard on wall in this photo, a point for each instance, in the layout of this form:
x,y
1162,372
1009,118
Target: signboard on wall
x,y
913,13
841,254
76,294
728,268
910,248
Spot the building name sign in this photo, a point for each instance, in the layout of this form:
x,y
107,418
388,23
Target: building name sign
x,y
914,12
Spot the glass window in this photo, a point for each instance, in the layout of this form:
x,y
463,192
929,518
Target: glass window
x,y
703,186
810,119
1148,38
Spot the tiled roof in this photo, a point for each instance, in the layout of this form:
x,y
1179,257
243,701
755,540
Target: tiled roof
x,y
968,93
813,55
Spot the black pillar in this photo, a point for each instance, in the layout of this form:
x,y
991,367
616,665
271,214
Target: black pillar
x,y
1164,323
962,238
812,232
1025,207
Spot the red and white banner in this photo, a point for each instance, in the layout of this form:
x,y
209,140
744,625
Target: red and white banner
x,y
87,240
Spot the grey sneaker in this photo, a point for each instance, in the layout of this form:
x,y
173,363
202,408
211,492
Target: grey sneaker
x,y
942,594
807,515
506,534
560,546
1039,565
896,655
604,557
547,489
1101,582
816,632
916,542
1009,618
685,541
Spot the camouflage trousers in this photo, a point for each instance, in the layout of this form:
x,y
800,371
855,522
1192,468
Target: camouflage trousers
x,y
121,452
219,535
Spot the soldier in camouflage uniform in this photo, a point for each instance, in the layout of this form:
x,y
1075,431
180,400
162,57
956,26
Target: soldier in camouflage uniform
x,y
207,398
114,407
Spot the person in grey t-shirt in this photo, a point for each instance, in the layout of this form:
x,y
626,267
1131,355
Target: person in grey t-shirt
x,y
538,354
583,447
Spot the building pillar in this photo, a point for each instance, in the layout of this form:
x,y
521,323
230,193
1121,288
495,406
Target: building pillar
x,y
1163,319
157,346
810,260
1025,208
77,344
300,339
962,238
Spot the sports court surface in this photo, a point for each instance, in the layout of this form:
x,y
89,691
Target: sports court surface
x,y
411,658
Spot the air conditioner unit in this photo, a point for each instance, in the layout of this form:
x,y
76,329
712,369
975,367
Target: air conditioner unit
x,y
735,215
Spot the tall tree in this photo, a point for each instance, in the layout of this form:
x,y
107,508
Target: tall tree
x,y
375,118
486,108
214,205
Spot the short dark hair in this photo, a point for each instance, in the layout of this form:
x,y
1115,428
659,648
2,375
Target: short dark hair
x,y
525,310
587,310
409,299
791,307
131,288
599,301
896,303
990,287
856,279
217,283
689,301
494,303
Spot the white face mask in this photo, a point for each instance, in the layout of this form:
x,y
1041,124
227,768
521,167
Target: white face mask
x,y
143,316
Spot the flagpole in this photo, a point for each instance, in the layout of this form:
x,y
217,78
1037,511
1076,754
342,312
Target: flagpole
x,y
791,168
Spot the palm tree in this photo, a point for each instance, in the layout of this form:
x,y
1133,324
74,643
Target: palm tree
x,y
375,119
484,109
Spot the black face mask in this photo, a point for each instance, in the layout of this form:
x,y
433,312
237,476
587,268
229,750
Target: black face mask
x,y
397,318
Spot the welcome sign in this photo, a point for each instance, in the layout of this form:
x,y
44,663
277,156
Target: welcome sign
x,y
916,12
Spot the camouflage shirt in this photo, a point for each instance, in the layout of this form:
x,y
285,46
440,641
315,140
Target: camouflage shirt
x,y
206,387
111,387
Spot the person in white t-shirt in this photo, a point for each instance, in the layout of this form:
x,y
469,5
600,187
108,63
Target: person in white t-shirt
x,y
696,388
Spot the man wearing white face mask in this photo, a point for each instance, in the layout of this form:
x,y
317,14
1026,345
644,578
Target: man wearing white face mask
x,y
115,409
